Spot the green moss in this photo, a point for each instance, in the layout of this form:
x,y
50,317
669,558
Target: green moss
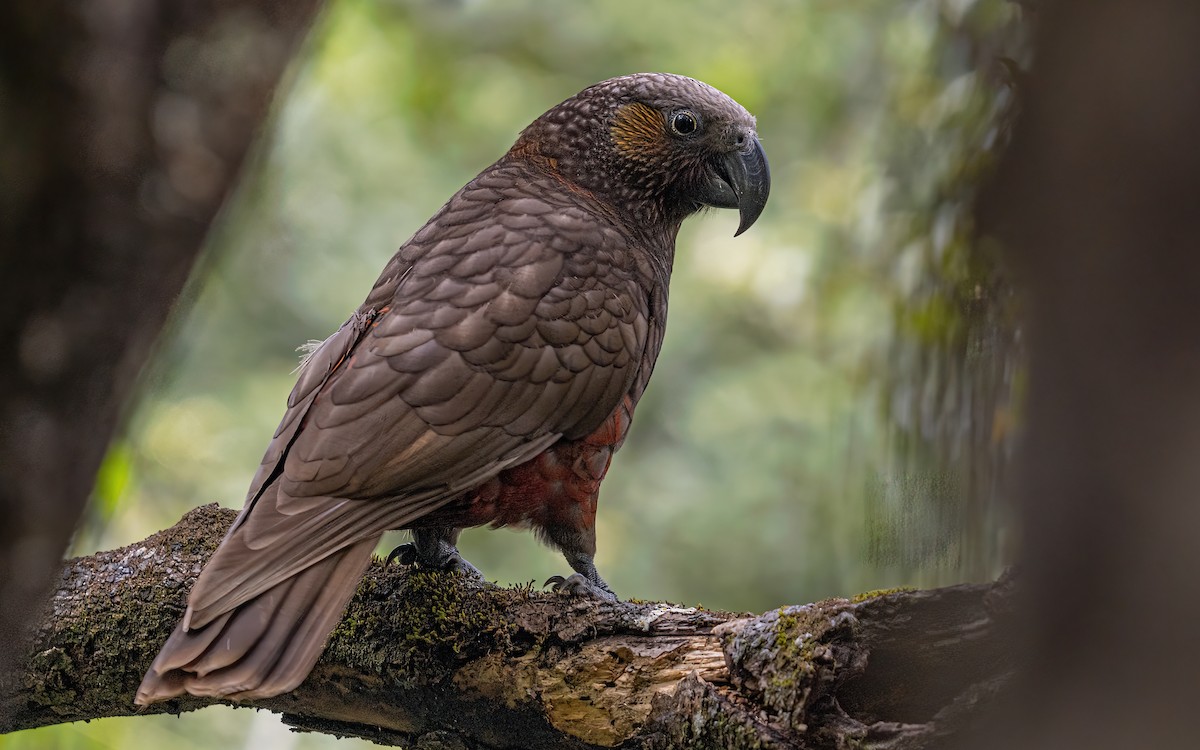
x,y
108,617
49,668
789,654
784,626
876,593
793,639
432,621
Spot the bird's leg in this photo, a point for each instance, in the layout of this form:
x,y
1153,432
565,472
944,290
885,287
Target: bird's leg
x,y
433,548
579,547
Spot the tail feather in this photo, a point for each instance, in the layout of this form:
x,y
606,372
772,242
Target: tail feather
x,y
298,658
251,562
191,648
257,621
265,646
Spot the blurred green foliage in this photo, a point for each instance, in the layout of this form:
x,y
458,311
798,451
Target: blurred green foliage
x,y
827,398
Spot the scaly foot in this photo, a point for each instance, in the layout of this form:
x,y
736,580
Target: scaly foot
x,y
445,558
580,585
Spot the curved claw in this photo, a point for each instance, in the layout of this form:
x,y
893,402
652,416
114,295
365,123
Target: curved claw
x,y
579,585
405,554
409,555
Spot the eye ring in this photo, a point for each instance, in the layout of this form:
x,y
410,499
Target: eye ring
x,y
684,123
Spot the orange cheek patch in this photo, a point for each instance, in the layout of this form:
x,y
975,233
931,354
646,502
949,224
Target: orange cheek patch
x,y
639,131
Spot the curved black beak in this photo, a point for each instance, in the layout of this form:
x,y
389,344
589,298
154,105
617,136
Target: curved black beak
x,y
741,180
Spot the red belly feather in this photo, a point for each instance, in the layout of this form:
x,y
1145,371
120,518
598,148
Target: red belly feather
x,y
557,488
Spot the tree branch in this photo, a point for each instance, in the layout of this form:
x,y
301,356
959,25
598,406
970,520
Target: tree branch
x,y
427,657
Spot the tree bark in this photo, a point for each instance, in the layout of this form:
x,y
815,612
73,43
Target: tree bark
x,y
123,125
444,660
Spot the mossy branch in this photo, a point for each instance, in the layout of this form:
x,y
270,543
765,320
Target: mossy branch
x,y
426,657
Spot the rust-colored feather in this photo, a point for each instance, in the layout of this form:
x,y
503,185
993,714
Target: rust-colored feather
x,y
639,131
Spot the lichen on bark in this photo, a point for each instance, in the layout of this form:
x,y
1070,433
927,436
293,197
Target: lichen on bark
x,y
436,658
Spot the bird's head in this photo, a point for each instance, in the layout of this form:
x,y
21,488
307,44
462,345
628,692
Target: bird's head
x,y
658,145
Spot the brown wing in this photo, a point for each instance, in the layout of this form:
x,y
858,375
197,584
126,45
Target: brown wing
x,y
513,318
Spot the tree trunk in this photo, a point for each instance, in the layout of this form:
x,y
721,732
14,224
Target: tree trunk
x,y
1098,199
425,656
123,125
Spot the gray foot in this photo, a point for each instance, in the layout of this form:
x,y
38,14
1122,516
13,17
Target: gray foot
x,y
444,557
580,585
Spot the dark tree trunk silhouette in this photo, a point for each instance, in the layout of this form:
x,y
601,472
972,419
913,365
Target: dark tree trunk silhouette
x,y
1098,200
123,127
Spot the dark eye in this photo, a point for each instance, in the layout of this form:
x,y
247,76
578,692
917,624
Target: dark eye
x,y
684,123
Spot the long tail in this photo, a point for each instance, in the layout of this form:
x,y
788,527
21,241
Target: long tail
x,y
264,646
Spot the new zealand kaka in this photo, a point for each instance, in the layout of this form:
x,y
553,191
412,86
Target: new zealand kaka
x,y
488,377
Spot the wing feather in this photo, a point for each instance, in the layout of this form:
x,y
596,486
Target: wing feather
x,y
504,324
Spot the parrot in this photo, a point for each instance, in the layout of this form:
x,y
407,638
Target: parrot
x,y
487,379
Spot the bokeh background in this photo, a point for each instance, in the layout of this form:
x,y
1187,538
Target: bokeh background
x,y
834,406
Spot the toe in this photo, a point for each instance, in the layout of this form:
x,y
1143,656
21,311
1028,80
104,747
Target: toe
x,y
405,554
458,562
578,585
